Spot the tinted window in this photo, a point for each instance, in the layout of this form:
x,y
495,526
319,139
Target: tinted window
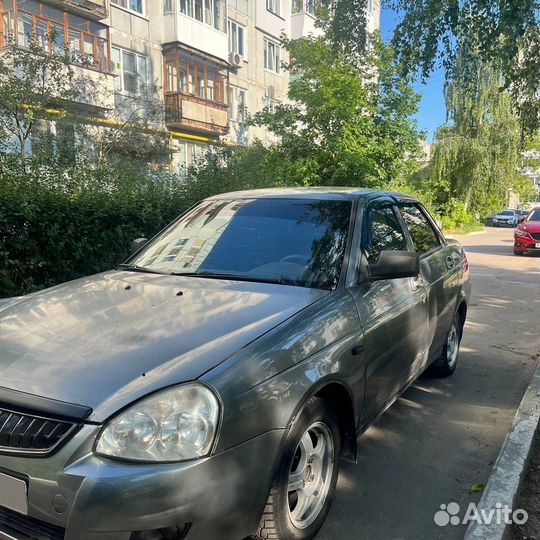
x,y
422,232
384,232
534,215
289,241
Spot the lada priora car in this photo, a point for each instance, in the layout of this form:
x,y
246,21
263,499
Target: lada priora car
x,y
209,387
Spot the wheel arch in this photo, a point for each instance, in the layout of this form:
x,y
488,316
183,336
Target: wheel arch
x,y
339,397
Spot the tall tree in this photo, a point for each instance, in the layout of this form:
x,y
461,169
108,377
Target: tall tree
x,y
504,34
477,155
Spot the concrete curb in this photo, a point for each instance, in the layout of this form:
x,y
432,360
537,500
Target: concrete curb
x,y
505,478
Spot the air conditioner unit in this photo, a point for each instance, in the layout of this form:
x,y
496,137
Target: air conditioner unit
x,y
235,59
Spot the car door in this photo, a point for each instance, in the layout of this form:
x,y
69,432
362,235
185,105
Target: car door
x,y
392,312
437,265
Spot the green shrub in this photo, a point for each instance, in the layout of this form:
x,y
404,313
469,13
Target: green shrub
x,y
60,224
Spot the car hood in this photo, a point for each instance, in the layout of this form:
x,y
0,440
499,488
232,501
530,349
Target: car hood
x,y
503,216
106,340
531,226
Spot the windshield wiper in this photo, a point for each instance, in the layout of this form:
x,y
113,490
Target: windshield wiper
x,y
232,277
142,269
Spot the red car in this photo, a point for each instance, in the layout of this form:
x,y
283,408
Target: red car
x,y
527,234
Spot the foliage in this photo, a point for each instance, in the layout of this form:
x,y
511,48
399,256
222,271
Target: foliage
x,y
478,155
505,35
32,81
343,126
58,223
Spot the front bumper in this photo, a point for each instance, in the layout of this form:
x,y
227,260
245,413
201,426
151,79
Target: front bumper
x,y
221,497
526,245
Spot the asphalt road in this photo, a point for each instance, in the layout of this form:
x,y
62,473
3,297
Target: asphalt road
x,y
442,436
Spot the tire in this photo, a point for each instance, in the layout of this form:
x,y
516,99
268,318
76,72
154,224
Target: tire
x,y
282,518
447,363
518,253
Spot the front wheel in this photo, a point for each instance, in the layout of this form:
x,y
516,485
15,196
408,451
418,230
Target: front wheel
x,y
305,479
446,364
518,253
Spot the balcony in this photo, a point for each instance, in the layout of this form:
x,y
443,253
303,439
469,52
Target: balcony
x,y
92,9
201,26
196,90
58,30
189,113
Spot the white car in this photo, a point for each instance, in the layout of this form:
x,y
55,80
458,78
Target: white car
x,y
506,218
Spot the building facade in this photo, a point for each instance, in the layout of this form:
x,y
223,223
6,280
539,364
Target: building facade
x,y
214,61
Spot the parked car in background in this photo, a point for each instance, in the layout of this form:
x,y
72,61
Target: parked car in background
x,y
508,218
527,234
208,388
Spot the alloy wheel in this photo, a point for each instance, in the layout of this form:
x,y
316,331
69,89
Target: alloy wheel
x,y
310,476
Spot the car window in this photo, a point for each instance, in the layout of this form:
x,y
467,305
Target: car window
x,y
422,232
508,213
383,232
289,241
534,215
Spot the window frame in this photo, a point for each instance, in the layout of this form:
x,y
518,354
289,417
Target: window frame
x,y
276,56
243,28
128,8
431,223
277,7
138,57
379,204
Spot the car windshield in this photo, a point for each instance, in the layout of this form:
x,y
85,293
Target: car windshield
x,y
507,213
534,215
287,241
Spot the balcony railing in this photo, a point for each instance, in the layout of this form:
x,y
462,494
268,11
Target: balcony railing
x,y
86,42
184,111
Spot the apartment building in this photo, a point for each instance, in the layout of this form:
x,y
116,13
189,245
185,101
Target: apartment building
x,y
214,61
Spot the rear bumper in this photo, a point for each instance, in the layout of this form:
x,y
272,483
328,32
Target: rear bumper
x,y
220,497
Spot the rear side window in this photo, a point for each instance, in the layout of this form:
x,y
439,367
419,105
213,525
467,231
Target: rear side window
x,y
422,232
384,232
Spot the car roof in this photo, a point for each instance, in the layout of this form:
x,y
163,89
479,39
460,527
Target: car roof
x,y
317,193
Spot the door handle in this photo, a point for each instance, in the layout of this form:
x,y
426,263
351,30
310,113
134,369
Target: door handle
x,y
450,261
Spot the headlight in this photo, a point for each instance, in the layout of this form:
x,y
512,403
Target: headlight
x,y
174,425
522,234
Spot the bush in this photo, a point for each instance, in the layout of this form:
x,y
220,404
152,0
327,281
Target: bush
x,y
59,224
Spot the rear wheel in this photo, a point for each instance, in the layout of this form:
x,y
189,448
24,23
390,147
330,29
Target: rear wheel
x,y
305,480
446,364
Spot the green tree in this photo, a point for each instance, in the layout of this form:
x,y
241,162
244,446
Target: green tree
x,y
347,123
505,35
477,156
33,81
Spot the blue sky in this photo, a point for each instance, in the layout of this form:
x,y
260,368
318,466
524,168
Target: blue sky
x,y
432,111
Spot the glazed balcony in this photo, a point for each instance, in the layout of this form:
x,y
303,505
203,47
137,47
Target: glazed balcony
x,y
196,90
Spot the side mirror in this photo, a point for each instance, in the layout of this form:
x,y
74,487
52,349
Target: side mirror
x,y
137,244
394,265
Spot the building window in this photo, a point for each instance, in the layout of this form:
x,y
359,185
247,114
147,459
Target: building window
x,y
237,38
136,6
85,41
309,6
272,56
273,6
168,6
238,104
370,6
210,12
191,75
132,71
